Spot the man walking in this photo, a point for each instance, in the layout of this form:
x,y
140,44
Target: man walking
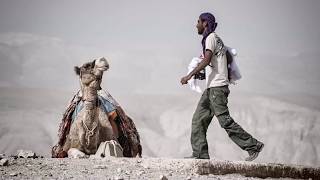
x,y
214,99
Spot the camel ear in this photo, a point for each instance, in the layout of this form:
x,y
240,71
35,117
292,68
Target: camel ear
x,y
89,64
77,70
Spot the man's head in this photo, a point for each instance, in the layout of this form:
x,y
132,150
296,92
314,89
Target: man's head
x,y
206,24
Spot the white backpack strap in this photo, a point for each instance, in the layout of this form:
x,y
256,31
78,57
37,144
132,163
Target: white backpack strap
x,y
116,145
114,148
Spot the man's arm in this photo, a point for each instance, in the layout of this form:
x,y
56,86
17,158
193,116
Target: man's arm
x,y
206,61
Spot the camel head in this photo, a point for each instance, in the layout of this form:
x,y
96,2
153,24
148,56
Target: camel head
x,y
101,64
92,71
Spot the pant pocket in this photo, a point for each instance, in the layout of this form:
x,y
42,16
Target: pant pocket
x,y
219,102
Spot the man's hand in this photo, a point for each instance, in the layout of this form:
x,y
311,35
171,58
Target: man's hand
x,y
185,80
206,60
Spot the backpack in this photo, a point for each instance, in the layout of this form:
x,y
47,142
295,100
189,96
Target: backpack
x,y
233,69
109,148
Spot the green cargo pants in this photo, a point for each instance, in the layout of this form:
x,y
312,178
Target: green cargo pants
x,y
214,102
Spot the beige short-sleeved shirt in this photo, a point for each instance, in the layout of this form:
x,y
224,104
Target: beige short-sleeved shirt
x,y
217,72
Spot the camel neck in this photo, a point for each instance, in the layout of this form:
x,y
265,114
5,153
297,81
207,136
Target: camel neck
x,y
90,97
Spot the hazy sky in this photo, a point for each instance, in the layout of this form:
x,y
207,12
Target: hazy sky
x,y
149,43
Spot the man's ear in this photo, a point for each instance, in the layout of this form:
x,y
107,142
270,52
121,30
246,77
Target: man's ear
x,y
205,23
77,70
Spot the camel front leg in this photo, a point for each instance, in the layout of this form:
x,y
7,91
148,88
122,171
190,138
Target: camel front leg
x,y
76,153
81,137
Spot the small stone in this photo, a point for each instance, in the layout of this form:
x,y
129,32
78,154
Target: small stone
x,y
118,178
14,156
2,156
140,173
4,162
26,154
84,171
139,161
119,170
163,177
13,174
100,167
188,178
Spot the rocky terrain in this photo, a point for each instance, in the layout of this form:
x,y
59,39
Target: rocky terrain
x,y
27,165
107,168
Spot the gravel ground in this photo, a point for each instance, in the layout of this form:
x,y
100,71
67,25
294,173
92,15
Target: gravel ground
x,y
106,168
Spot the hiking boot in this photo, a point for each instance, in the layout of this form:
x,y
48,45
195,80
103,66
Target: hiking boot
x,y
190,157
254,154
193,157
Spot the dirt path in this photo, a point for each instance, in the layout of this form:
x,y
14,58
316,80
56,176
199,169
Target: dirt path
x,y
107,168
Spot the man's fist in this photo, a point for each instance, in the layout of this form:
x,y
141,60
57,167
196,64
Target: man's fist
x,y
185,80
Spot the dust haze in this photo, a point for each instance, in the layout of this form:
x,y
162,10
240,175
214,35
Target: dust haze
x,y
148,45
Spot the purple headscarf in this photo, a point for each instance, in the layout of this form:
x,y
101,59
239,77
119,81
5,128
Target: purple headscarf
x,y
211,20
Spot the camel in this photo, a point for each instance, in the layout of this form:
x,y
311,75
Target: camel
x,y
92,125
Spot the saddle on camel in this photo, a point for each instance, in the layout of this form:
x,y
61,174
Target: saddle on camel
x,y
93,117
